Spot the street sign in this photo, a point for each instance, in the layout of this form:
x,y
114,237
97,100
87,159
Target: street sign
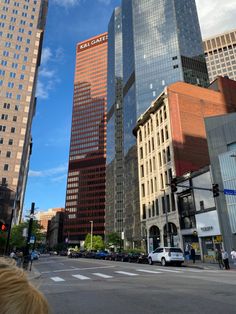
x,y
32,239
229,192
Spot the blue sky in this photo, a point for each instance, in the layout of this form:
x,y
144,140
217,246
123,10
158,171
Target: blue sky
x,y
68,22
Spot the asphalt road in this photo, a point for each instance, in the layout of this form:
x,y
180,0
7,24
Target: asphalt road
x,y
86,286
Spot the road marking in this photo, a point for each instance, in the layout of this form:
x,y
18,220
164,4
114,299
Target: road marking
x,y
149,271
126,273
57,279
169,270
81,277
72,269
102,275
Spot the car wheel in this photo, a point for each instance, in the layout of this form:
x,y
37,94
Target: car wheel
x,y
163,261
150,262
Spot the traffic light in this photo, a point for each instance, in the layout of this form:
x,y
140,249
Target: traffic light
x,y
3,227
173,185
215,190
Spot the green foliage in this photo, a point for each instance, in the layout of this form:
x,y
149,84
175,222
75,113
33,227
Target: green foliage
x,y
136,251
97,242
17,240
113,239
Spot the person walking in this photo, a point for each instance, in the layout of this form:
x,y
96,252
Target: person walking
x,y
225,257
219,259
193,255
233,256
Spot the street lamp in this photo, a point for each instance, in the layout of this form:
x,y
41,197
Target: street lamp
x,y
91,221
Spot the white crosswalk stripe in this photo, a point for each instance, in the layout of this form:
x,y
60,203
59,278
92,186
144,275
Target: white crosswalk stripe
x,y
126,273
81,277
57,279
169,270
102,275
149,271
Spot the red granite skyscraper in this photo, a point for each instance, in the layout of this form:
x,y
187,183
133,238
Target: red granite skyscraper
x,y
85,195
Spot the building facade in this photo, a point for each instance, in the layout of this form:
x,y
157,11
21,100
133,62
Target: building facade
x,y
43,217
171,52
220,54
85,193
171,141
22,26
221,137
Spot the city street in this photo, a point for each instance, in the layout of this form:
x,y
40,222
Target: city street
x,y
96,286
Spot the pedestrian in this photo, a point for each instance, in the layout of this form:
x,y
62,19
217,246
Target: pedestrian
x,y
193,255
225,257
13,255
233,256
17,294
219,259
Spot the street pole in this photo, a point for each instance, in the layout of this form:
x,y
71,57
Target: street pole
x,y
91,221
26,253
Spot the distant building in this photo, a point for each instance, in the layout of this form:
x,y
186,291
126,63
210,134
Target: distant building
x,y
85,192
44,216
21,36
55,230
220,54
171,141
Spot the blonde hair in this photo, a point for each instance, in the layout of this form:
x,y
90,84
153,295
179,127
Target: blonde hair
x,y
17,295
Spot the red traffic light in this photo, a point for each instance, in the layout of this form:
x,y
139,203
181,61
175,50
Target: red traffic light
x,y
3,227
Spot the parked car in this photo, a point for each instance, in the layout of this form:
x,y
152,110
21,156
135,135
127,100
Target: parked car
x,y
101,254
166,255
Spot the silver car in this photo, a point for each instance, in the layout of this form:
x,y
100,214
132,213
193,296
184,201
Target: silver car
x,y
166,255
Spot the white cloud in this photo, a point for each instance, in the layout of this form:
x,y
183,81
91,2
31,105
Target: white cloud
x,y
66,3
46,55
62,169
46,73
216,16
41,91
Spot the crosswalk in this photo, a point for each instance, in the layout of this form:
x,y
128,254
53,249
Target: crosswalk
x,y
120,273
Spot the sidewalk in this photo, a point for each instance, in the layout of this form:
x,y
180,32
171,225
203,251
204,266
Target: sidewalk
x,y
33,273
201,265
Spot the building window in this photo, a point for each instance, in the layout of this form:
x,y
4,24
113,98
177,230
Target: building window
x,y
143,190
157,207
142,171
6,167
8,154
13,130
10,142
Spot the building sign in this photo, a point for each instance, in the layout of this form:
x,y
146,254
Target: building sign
x,y
92,42
208,224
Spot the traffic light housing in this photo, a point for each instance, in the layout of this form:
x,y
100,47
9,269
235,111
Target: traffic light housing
x,y
173,185
3,227
215,190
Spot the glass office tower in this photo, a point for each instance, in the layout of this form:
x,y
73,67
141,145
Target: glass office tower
x,y
85,194
162,44
114,170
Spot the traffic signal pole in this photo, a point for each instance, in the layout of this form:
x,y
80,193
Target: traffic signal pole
x,y
26,252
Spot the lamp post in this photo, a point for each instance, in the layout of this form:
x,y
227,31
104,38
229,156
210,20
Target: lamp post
x,y
91,221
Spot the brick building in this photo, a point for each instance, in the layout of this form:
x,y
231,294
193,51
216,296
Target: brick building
x,y
171,141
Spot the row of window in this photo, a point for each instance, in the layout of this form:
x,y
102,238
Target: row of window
x,y
149,147
152,185
8,154
3,128
10,141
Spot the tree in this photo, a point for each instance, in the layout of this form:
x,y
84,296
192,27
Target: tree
x,y
113,239
97,242
17,240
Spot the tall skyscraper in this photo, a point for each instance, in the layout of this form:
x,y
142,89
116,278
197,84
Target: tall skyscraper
x,y
85,194
114,171
161,44
22,26
220,53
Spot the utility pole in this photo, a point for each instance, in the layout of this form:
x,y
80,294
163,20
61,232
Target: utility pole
x,y
26,253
